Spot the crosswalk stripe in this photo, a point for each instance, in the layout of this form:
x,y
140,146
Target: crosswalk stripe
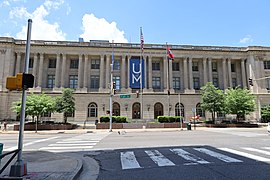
x,y
128,160
257,150
159,159
75,144
188,156
67,147
221,157
251,156
69,141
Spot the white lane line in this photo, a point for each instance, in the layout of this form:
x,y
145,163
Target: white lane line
x,y
257,150
75,144
128,160
217,155
69,141
65,147
30,143
188,156
159,159
247,155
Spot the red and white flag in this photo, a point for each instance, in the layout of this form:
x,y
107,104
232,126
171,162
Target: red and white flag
x,y
142,41
170,54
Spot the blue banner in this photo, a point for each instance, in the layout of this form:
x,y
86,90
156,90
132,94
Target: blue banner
x,y
135,73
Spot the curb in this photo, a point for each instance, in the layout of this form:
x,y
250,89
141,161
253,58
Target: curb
x,y
78,170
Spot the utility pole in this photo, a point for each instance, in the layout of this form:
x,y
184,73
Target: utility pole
x,y
20,167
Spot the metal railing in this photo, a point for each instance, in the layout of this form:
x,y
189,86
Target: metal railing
x,y
16,151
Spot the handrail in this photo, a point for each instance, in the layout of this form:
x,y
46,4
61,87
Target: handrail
x,y
16,151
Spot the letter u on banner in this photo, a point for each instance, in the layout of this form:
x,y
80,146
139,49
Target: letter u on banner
x,y
136,73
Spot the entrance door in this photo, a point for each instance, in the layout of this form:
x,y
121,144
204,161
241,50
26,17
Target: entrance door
x,y
136,111
116,109
158,110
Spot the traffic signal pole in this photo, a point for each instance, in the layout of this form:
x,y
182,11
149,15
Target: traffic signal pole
x,y
19,169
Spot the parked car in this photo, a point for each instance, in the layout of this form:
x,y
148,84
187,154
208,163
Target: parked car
x,y
268,127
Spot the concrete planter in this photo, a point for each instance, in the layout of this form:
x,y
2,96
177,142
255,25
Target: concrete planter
x,y
32,127
107,126
138,125
231,125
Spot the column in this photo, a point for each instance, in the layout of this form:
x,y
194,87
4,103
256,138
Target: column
x,y
165,73
230,72
190,73
150,73
108,62
210,70
123,72
40,70
64,75
57,71
101,73
204,71
35,69
18,63
85,75
128,74
80,72
225,80
170,75
145,73
263,82
243,71
185,74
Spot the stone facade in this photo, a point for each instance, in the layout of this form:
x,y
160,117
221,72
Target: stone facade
x,y
85,67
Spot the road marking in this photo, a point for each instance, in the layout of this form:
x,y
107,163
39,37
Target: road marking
x,y
220,156
128,160
70,141
70,147
247,155
258,150
159,159
74,144
30,143
190,157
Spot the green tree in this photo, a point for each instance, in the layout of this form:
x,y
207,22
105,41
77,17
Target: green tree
x,y
212,99
266,113
36,105
239,101
66,103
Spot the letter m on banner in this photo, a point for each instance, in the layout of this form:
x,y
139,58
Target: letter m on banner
x,y
136,73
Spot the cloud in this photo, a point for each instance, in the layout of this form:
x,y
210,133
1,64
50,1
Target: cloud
x,y
246,40
41,28
100,29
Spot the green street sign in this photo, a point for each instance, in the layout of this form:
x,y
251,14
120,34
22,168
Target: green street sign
x,y
125,96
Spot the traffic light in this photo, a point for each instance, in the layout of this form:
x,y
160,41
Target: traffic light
x,y
250,81
114,88
20,81
137,94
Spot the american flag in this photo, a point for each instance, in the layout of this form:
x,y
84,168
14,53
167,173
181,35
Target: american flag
x,y
142,40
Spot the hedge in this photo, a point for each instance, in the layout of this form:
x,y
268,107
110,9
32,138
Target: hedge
x,y
115,119
169,119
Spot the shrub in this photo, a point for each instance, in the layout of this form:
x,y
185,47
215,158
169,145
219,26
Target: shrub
x,y
115,119
169,119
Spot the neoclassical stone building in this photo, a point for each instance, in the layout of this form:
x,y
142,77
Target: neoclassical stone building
x,y
85,67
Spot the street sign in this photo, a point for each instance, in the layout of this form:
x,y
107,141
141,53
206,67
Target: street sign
x,y
125,96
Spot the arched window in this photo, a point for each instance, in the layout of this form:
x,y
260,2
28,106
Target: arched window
x,y
158,110
116,109
92,110
178,110
199,111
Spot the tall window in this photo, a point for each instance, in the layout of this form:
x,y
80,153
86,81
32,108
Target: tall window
x,y
176,83
116,65
234,82
196,83
179,111
31,63
50,81
175,66
214,66
215,82
268,84
195,66
156,82
52,63
95,64
74,64
73,81
117,81
266,64
233,67
94,82
199,110
155,66
92,110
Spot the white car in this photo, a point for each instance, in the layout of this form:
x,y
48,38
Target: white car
x,y
268,127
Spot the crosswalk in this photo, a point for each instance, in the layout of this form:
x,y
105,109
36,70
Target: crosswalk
x,y
82,142
192,156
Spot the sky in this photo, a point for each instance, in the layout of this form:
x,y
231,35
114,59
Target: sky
x,y
238,23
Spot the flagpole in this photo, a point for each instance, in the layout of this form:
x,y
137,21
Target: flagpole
x,y
141,93
168,85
